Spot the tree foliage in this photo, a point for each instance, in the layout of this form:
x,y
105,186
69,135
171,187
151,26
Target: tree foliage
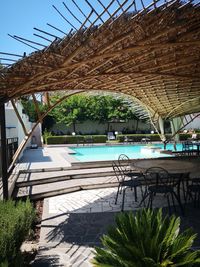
x,y
147,239
30,110
101,108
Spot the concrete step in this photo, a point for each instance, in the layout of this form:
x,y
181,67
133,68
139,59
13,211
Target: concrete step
x,y
74,166
36,178
62,187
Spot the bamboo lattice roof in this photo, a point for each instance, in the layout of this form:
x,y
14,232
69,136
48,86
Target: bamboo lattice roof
x,y
152,55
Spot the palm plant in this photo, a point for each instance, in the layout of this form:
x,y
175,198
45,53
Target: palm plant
x,y
146,239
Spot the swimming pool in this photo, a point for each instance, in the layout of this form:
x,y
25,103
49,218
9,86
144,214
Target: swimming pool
x,y
101,153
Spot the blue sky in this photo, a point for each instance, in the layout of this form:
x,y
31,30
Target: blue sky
x,y
19,17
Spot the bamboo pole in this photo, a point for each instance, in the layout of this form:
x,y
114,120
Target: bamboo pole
x,y
19,117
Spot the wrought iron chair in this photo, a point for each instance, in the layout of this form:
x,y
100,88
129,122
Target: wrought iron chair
x,y
188,148
123,183
193,191
159,181
88,140
180,182
128,169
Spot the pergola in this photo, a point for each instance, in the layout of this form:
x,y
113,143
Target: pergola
x,y
151,53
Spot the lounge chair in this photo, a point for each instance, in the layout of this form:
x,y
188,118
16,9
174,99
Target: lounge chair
x,y
110,136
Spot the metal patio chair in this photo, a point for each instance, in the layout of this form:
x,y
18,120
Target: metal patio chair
x,y
127,167
193,191
89,140
124,183
159,181
188,148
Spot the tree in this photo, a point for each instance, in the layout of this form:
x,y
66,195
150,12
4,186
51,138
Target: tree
x,y
29,109
101,108
47,123
71,111
108,109
146,239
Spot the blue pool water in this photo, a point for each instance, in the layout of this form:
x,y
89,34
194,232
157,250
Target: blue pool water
x,y
100,153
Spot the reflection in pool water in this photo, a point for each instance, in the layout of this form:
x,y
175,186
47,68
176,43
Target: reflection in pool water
x,y
100,153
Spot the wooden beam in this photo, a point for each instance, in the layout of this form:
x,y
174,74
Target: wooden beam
x,y
25,140
183,126
109,55
37,109
19,117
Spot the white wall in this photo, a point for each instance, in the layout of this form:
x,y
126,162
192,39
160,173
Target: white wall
x,y
95,127
14,128
12,121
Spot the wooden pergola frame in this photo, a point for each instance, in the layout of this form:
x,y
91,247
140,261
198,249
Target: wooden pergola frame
x,y
151,53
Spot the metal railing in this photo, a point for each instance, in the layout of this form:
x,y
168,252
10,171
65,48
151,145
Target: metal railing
x,y
12,145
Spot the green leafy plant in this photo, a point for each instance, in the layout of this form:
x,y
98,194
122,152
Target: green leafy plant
x,y
46,135
147,239
15,222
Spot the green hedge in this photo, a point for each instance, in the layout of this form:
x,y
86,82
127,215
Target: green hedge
x,y
138,137
99,138
15,223
69,139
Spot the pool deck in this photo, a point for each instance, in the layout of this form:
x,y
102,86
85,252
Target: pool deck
x,y
73,223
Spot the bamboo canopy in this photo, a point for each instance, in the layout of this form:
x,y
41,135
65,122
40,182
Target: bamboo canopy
x,y
152,55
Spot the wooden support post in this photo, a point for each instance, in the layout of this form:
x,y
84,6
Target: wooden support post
x,y
175,126
47,99
162,131
19,117
37,109
4,161
26,138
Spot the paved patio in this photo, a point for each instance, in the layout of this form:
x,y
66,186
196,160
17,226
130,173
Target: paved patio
x,y
72,224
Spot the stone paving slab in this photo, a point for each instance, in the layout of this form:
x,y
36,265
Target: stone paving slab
x,y
76,221
72,224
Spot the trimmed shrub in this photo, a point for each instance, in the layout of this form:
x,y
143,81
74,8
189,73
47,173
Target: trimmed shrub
x,y
64,139
69,139
99,138
15,223
147,239
138,137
